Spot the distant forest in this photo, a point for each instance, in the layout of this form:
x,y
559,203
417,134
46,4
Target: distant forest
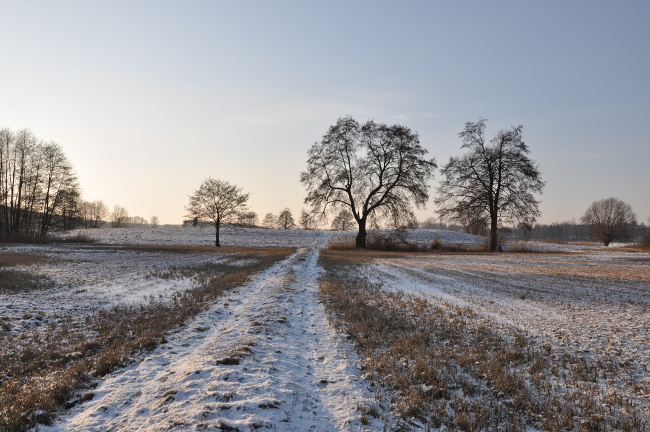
x,y
554,231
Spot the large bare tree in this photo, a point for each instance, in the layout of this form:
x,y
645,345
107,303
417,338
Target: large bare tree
x,y
216,202
609,219
496,178
374,170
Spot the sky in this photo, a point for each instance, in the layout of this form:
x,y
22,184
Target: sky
x,y
148,98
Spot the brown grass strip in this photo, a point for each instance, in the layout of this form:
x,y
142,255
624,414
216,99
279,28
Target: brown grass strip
x,y
549,267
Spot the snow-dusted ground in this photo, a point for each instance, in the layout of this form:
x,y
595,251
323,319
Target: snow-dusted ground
x,y
88,278
296,375
203,236
595,305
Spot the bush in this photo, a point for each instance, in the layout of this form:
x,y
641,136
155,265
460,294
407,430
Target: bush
x,y
376,241
645,241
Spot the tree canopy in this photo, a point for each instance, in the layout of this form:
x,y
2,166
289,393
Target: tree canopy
x,y
609,219
374,170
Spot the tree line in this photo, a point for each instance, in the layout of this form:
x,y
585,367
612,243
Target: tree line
x,y
38,186
366,173
40,192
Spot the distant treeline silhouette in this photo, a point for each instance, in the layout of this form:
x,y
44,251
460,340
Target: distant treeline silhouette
x,y
38,186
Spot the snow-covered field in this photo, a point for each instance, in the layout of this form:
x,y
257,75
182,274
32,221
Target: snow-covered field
x,y
204,236
297,374
591,305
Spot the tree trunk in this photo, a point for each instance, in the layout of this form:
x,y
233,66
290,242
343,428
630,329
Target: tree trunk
x,y
494,237
361,236
216,239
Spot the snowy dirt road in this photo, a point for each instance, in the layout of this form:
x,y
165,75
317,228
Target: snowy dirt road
x,y
264,357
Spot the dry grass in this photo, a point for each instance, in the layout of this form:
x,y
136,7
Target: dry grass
x,y
442,364
57,370
36,239
568,242
520,247
642,245
548,265
8,259
19,279
244,250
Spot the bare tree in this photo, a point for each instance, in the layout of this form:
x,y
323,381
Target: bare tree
x,y
154,221
216,202
609,219
59,181
248,219
136,220
496,178
269,221
38,187
475,223
374,170
343,221
308,220
285,219
119,217
98,213
428,223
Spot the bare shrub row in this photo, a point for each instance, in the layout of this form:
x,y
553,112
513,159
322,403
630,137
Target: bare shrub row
x,y
390,243
438,364
55,371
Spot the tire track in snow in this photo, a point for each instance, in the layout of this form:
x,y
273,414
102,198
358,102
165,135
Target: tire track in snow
x,y
294,373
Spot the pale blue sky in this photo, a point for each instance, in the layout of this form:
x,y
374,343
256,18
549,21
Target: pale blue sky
x,y
149,98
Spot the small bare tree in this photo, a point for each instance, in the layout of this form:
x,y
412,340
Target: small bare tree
x,y
609,219
308,220
98,212
269,221
285,220
428,223
216,202
343,221
119,217
154,221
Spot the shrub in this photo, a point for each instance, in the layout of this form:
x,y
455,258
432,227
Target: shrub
x,y
645,241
